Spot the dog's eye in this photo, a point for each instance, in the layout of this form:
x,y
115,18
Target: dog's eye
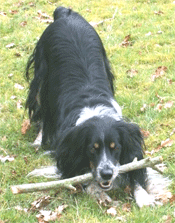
x,y
95,147
112,145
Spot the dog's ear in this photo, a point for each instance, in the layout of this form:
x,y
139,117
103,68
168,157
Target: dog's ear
x,y
132,142
71,152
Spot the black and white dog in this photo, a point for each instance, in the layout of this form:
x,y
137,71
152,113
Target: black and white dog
x,y
72,95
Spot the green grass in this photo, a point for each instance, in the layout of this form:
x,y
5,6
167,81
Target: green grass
x,y
146,54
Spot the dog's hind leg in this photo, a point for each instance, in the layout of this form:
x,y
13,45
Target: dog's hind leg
x,y
38,140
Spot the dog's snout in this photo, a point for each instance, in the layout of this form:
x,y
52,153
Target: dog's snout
x,y
106,173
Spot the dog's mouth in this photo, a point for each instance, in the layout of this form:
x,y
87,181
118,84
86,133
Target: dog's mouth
x,y
106,185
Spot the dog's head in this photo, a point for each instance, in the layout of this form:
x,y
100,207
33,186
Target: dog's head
x,y
99,145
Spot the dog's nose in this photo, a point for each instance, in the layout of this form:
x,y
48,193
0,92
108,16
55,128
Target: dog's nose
x,y
106,173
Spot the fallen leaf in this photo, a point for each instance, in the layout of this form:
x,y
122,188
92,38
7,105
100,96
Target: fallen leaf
x,y
20,87
26,160
24,23
126,41
132,72
160,71
13,12
40,203
167,143
159,107
158,13
17,54
159,32
18,104
145,133
3,13
25,126
112,211
143,108
172,132
19,208
4,138
13,97
10,75
3,159
168,104
127,190
126,207
170,81
148,34
46,216
160,98
31,4
172,199
61,208
10,45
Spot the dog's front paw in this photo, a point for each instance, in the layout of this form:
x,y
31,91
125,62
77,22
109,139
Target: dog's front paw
x,y
143,198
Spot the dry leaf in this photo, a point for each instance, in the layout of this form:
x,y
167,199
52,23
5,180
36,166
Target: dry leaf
x,y
25,126
148,34
10,75
169,104
145,133
13,97
31,4
159,107
158,13
143,108
170,81
112,211
4,138
3,159
13,12
160,71
10,45
24,23
126,41
61,208
132,72
159,32
172,132
126,207
19,208
18,104
20,87
47,216
3,13
17,54
40,203
172,199
160,98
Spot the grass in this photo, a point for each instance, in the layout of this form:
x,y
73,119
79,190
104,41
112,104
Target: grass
x,y
146,54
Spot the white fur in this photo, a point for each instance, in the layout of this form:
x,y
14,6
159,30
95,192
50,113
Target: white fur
x,y
142,197
100,111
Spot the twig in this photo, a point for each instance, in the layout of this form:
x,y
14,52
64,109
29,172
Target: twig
x,y
69,183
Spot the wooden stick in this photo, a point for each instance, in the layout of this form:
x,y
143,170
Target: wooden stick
x,y
68,183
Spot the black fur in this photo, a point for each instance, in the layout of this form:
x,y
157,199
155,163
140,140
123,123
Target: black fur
x,y
71,72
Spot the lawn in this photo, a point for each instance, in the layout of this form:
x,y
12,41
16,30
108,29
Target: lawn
x,y
139,39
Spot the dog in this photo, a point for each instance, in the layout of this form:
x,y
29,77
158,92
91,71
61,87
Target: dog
x,y
72,95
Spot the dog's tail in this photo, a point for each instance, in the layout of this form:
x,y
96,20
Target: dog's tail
x,y
61,12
